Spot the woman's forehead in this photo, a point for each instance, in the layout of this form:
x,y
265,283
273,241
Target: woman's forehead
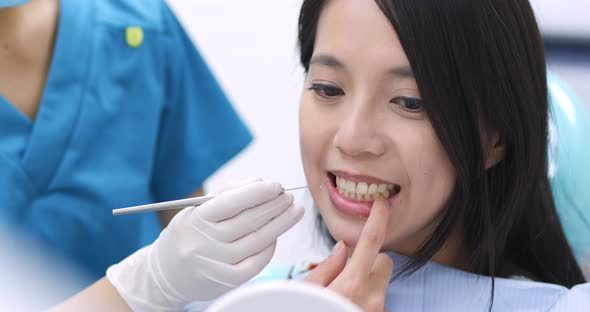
x,y
357,33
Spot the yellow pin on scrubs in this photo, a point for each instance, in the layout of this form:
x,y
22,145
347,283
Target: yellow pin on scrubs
x,y
134,36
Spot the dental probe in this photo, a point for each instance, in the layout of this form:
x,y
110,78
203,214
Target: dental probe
x,y
175,204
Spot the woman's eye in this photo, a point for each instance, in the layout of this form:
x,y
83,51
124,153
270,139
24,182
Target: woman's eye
x,y
326,91
408,103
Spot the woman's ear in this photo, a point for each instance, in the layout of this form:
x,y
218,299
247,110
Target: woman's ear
x,y
496,151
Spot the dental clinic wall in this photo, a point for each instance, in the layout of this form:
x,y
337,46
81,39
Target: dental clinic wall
x,y
251,48
565,25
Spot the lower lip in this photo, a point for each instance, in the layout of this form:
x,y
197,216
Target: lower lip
x,y
351,206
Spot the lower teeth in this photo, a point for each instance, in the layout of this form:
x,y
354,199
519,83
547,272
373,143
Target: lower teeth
x,y
362,196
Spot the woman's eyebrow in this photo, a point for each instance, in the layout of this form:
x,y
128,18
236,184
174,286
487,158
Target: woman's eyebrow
x,y
328,60
402,71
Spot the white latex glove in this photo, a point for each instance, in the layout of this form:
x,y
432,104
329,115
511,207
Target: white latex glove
x,y
208,250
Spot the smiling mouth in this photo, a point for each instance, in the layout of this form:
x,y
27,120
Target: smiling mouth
x,y
360,190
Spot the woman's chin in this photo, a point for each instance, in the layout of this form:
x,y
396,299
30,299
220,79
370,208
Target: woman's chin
x,y
344,229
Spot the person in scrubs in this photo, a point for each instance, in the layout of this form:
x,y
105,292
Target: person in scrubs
x,y
103,104
203,253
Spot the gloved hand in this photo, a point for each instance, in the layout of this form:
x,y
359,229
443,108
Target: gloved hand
x,y
208,250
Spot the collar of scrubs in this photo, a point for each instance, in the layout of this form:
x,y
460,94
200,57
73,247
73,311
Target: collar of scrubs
x,y
49,135
12,3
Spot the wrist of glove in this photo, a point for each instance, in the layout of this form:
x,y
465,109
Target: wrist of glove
x,y
134,281
208,250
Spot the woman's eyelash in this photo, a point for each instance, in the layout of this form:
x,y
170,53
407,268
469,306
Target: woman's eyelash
x,y
410,104
326,90
329,91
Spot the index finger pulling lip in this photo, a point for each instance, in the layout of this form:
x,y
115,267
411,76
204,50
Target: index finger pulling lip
x,y
371,239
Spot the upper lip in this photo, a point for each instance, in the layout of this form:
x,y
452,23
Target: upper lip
x,y
360,177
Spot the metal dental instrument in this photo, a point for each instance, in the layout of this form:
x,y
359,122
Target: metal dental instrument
x,y
175,204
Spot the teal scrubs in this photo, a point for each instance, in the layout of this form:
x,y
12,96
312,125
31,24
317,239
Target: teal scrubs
x,y
130,114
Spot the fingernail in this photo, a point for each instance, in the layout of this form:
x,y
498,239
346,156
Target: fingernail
x,y
337,248
379,197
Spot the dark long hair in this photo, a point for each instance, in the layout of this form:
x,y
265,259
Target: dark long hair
x,y
480,68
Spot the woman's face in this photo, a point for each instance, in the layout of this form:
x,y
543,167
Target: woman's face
x,y
363,130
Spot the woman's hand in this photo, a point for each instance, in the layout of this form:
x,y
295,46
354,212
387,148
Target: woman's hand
x,y
364,280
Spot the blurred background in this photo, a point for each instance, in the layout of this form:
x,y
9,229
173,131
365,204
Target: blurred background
x,y
251,47
566,31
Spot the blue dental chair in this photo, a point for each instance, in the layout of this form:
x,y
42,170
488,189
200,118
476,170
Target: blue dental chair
x,y
569,166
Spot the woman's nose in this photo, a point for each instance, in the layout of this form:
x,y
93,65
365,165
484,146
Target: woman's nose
x,y
358,134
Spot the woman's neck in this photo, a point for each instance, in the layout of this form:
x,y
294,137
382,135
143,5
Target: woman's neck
x,y
452,253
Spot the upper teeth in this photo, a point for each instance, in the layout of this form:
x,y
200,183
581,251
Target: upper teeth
x,y
363,190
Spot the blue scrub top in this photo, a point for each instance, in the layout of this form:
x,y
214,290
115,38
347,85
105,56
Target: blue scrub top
x,y
122,121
